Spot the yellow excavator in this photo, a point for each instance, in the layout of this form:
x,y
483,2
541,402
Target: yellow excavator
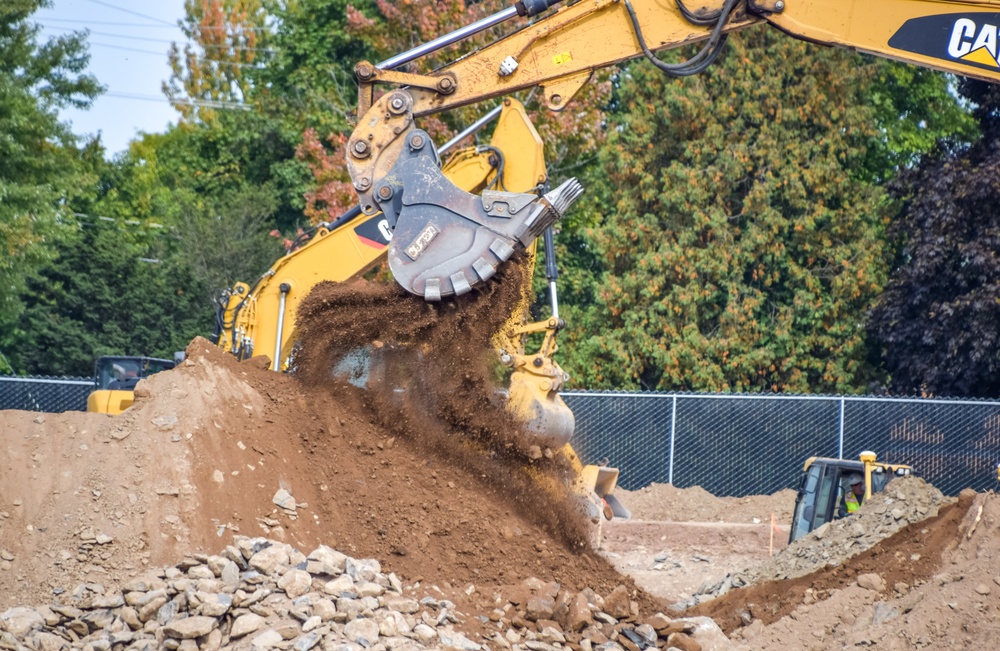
x,y
827,483
446,241
260,320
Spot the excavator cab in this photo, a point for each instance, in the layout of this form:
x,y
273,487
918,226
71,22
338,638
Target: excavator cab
x,y
115,378
825,484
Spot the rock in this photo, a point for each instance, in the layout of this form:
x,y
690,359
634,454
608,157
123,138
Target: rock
x,y
6,555
453,640
21,621
539,607
983,589
683,642
269,639
871,582
246,624
216,604
307,642
230,574
267,560
393,624
324,609
311,623
368,589
324,560
616,604
165,423
50,642
201,572
166,613
424,633
284,500
365,569
190,627
295,583
104,539
578,616
364,631
342,585
882,613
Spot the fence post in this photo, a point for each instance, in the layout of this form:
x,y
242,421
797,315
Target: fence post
x,y
673,428
840,449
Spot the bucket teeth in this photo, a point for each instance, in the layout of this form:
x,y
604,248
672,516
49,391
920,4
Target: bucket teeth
x,y
563,196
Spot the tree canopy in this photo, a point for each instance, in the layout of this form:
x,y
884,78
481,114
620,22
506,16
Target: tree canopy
x,y
39,160
734,236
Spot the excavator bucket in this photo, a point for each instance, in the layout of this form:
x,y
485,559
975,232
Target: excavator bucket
x,y
446,241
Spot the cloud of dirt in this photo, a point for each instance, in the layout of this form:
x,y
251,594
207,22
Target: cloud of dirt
x,y
430,381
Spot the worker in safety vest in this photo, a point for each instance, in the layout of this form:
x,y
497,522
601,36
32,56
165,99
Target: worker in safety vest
x,y
856,495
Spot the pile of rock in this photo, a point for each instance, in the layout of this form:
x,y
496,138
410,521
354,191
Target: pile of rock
x,y
257,594
262,594
905,500
543,617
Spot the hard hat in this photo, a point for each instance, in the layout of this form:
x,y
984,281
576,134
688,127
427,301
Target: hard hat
x,y
855,478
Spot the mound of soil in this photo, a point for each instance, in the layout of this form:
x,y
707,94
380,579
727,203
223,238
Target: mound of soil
x,y
933,584
208,445
695,504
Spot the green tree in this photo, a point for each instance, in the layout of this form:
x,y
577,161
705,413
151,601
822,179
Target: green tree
x,y
736,238
103,293
39,165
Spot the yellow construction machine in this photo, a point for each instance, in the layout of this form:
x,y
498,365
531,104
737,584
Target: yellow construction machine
x,y
260,320
115,377
826,487
446,241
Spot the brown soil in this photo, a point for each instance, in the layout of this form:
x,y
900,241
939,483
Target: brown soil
x,y
892,559
695,504
426,472
206,446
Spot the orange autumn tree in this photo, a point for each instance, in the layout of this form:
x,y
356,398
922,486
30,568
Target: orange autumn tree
x,y
228,40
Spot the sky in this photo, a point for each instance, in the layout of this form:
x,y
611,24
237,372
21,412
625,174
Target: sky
x,y
128,41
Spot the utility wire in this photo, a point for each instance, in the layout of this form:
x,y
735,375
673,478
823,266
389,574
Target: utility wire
x,y
159,54
149,26
207,103
167,40
134,13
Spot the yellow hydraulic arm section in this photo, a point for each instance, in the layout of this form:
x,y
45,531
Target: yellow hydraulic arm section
x,y
447,242
561,50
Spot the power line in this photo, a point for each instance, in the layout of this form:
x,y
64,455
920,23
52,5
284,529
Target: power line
x,y
134,13
150,26
167,40
159,54
207,103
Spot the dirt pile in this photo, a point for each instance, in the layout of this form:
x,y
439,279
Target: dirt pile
x,y
933,584
905,500
262,593
695,504
205,450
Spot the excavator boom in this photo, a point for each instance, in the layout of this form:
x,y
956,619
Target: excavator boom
x,y
450,241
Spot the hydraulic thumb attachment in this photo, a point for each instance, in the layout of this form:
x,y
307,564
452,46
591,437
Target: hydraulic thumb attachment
x,y
445,240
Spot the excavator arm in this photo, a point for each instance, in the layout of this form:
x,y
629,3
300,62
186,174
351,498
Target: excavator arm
x,y
448,242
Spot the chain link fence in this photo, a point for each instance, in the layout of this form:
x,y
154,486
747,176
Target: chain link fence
x,y
750,444
47,394
727,444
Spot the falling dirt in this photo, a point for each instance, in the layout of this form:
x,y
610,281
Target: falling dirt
x,y
430,381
